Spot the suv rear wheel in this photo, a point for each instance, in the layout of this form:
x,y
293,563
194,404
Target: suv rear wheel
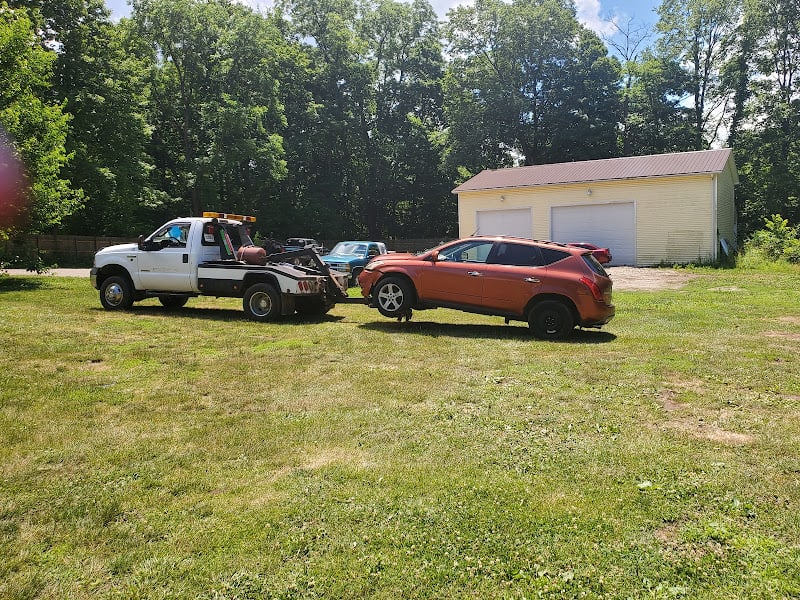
x,y
393,297
551,320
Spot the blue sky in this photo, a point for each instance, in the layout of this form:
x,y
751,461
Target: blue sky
x,y
595,14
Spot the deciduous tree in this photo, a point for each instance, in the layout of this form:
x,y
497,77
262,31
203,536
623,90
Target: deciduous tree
x,y
36,124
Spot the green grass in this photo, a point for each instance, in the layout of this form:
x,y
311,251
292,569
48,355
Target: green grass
x,y
194,454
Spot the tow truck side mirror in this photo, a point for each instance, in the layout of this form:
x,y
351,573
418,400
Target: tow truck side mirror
x,y
146,245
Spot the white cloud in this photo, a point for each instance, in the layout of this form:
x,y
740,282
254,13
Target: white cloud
x,y
589,15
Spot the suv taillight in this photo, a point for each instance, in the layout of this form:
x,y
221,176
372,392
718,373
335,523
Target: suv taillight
x,y
597,293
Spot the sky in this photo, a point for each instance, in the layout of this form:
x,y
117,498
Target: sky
x,y
595,14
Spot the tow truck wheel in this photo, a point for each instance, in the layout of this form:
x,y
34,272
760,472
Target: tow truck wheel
x,y
116,293
313,307
173,301
262,302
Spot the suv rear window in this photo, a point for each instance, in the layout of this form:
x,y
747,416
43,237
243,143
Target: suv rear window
x,y
594,264
551,255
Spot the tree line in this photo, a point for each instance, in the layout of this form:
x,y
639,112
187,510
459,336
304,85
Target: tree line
x,y
355,118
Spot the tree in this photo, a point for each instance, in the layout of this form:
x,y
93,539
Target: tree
x,y
376,92
214,103
767,147
627,42
656,121
37,125
697,34
527,82
101,80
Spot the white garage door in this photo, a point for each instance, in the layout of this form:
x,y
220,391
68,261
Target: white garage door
x,y
609,225
517,222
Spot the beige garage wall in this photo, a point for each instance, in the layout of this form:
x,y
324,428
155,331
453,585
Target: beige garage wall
x,y
674,215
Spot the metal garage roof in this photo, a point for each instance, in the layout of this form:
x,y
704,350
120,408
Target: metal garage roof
x,y
633,167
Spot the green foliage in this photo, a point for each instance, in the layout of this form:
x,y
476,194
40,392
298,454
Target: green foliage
x,y
348,118
527,80
657,122
698,35
776,242
214,107
37,125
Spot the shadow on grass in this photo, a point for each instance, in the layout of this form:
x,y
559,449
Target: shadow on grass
x,y
494,332
10,283
221,314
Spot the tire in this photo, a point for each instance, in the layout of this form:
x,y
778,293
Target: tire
x,y
173,301
116,293
262,302
393,296
313,307
551,320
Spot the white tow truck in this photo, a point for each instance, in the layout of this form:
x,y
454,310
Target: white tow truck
x,y
213,255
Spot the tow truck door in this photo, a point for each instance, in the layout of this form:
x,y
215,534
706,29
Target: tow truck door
x,y
168,267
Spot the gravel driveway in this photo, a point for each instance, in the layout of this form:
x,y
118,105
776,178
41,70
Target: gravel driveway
x,y
642,279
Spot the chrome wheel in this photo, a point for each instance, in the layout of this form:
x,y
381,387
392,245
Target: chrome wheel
x,y
114,294
390,297
394,297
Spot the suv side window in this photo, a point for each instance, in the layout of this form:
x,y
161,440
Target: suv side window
x,y
551,255
473,251
517,255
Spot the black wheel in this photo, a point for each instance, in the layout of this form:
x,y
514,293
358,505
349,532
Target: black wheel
x,y
311,306
173,301
116,293
393,297
551,320
262,302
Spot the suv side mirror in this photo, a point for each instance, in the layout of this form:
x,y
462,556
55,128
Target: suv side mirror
x,y
140,242
434,257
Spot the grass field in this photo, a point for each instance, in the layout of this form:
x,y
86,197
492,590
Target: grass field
x,y
194,454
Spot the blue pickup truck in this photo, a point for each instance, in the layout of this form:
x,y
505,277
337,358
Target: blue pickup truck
x,y
350,258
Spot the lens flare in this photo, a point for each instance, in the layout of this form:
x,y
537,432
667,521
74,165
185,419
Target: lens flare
x,y
13,188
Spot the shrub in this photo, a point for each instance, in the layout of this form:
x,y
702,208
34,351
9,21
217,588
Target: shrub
x,y
776,242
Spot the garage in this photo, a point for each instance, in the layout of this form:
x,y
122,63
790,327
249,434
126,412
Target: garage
x,y
517,223
676,208
608,225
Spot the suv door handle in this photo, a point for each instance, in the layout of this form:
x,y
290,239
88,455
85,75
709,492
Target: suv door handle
x,y
532,280
474,273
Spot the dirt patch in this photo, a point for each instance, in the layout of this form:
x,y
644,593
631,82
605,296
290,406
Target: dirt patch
x,y
698,423
641,279
712,433
666,398
794,337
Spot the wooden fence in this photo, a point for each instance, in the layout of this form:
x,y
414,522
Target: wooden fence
x,y
78,250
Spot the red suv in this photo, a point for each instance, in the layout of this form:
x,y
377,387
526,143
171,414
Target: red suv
x,y
551,286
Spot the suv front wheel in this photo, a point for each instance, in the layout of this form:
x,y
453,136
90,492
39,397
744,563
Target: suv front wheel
x,y
393,297
551,320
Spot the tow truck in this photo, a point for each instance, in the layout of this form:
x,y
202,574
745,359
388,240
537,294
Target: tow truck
x,y
213,255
